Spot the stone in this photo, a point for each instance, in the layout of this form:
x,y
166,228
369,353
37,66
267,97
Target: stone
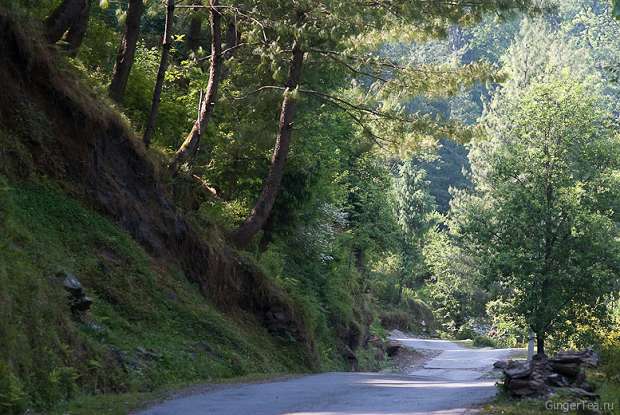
x,y
567,369
71,283
519,384
501,364
555,379
586,357
78,300
81,304
542,377
393,348
518,370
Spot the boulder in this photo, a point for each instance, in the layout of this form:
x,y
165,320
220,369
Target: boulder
x,y
517,369
71,283
78,300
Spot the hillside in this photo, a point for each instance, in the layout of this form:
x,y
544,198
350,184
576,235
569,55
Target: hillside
x,y
79,197
198,192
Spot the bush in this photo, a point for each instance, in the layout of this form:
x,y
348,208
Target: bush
x,y
12,396
412,315
465,333
485,341
396,319
611,357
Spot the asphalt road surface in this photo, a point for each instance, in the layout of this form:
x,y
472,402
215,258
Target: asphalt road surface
x,y
450,383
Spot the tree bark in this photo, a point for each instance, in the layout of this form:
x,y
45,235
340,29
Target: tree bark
x,y
530,345
262,209
540,343
126,51
161,73
192,141
61,19
233,38
77,31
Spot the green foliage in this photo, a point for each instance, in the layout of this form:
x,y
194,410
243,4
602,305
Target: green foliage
x,y
448,170
12,396
353,238
484,341
455,295
540,228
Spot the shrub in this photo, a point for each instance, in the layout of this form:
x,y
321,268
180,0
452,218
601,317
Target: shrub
x,y
484,341
396,319
611,357
12,396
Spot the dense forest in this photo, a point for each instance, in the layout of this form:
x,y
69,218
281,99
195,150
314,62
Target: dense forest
x,y
230,189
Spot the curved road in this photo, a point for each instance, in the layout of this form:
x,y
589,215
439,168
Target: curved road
x,y
449,383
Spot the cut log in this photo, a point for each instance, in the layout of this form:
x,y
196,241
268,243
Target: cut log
x,y
567,369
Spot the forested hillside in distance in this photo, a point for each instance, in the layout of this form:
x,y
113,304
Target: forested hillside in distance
x,y
200,190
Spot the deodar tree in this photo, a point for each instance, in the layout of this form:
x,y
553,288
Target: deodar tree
x,y
207,104
149,130
294,35
541,225
126,50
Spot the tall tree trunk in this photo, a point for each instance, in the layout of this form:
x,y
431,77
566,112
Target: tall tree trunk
x,y
126,51
233,38
77,31
262,209
540,343
530,345
161,73
192,141
194,34
61,19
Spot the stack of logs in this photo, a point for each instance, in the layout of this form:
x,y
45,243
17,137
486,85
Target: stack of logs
x,y
543,376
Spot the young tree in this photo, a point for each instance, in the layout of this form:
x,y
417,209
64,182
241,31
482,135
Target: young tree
x,y
541,224
149,131
126,50
414,212
207,105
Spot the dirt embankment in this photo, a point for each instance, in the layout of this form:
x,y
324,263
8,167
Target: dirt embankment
x,y
59,129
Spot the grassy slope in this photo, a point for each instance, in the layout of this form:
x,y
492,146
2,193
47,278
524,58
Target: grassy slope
x,y
138,303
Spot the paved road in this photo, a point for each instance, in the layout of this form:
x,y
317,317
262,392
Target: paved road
x,y
448,384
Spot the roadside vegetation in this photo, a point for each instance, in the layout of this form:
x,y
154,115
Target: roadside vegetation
x,y
250,189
